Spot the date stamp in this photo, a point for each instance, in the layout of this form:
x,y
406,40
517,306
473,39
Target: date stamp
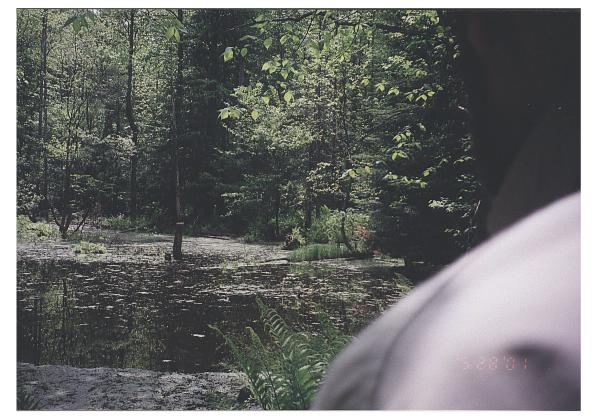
x,y
492,363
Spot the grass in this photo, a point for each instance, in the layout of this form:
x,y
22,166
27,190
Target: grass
x,y
319,252
86,247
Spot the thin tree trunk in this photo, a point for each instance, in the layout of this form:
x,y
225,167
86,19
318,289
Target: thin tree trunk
x,y
131,118
43,107
177,252
347,196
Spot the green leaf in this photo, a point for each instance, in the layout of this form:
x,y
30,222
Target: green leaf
x,y
365,81
224,114
70,20
254,114
380,87
398,154
352,173
77,25
266,100
228,53
243,52
283,39
266,66
268,43
288,96
394,90
170,32
177,35
284,74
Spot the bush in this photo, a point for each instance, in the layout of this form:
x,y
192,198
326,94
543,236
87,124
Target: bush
x,y
319,252
86,247
327,228
121,222
28,229
294,240
286,372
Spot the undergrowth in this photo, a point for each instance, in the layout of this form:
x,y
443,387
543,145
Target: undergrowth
x,y
86,247
26,229
319,252
285,372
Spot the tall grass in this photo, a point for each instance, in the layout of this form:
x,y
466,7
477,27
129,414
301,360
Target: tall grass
x,y
319,252
285,373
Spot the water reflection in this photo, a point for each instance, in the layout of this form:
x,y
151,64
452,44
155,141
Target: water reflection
x,y
93,314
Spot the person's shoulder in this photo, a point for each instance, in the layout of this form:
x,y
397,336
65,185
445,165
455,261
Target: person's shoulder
x,y
351,380
518,291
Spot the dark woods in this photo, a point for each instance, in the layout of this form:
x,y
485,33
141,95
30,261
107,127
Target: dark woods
x,y
308,126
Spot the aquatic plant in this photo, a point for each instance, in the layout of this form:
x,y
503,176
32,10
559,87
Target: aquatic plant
x,y
285,372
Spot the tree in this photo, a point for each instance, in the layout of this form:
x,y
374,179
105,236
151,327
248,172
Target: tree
x,y
177,121
131,33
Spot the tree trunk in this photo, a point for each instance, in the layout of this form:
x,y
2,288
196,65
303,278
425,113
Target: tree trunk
x,y
344,217
43,108
177,252
131,118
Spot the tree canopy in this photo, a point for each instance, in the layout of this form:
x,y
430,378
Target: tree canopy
x,y
346,126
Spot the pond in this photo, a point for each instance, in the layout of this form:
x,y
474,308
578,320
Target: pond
x,y
127,314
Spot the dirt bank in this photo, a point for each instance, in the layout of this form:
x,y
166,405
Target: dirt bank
x,y
72,388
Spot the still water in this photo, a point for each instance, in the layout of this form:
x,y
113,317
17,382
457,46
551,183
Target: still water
x,y
156,316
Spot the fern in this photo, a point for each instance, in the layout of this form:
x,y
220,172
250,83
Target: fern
x,y
286,373
25,401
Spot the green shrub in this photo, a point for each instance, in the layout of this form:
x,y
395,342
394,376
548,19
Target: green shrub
x,y
285,373
256,232
294,239
86,247
121,222
287,222
327,228
319,252
28,229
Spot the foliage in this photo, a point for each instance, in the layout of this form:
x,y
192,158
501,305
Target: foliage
x,y
294,239
28,229
320,252
86,247
25,401
346,124
285,372
327,228
122,223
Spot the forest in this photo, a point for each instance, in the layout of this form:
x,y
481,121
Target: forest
x,y
288,168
